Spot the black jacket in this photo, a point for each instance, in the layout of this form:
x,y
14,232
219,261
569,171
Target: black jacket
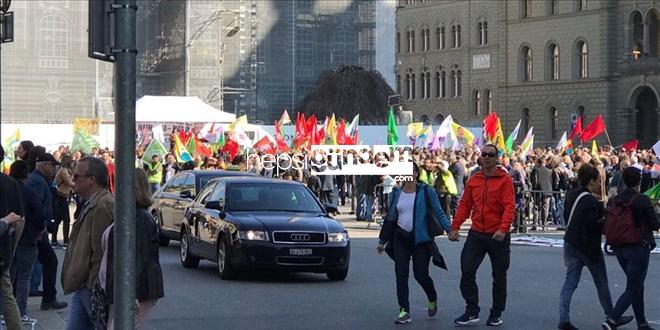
x,y
149,276
35,222
644,213
585,230
10,201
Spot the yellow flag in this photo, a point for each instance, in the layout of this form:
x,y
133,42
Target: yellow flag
x,y
499,137
415,129
240,122
594,149
330,133
464,136
91,126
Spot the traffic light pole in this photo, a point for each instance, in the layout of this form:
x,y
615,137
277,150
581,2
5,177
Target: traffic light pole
x,y
125,54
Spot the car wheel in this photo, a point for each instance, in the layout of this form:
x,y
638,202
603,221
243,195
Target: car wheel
x,y
187,259
162,240
225,268
338,275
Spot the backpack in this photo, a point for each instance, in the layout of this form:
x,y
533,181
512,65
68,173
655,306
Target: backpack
x,y
620,227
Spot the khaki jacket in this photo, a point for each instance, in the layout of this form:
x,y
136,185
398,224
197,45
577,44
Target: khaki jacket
x,y
82,260
64,182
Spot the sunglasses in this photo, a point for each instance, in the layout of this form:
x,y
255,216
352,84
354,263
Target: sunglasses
x,y
489,154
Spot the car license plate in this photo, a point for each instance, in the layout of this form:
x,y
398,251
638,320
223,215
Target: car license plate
x,y
300,252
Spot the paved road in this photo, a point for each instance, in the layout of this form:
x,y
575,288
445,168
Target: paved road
x,y
198,299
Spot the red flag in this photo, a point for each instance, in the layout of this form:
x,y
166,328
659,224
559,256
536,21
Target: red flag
x,y
279,138
577,129
264,145
231,147
320,134
310,128
301,139
594,129
631,145
203,149
341,133
184,137
490,126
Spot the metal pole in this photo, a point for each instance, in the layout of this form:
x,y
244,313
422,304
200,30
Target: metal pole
x,y
124,247
186,76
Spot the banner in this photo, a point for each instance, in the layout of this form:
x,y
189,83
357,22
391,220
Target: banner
x,y
91,126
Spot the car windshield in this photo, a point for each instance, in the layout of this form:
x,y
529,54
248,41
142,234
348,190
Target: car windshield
x,y
204,179
272,197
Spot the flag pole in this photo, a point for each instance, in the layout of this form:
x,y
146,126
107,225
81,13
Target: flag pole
x,y
608,138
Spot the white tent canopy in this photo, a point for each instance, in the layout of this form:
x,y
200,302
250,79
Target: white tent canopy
x,y
178,109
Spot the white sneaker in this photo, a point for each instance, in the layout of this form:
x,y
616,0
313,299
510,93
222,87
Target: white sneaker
x,y
28,320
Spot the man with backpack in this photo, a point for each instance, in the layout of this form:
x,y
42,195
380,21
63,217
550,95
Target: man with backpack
x,y
629,228
584,214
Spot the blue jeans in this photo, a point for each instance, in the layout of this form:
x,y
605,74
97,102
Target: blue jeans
x,y
80,311
154,187
35,279
575,260
635,263
21,272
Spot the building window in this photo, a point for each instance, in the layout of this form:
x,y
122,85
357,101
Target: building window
x,y
637,40
426,39
583,60
408,86
581,5
456,36
398,42
425,84
526,8
477,103
525,120
428,85
489,102
440,84
398,84
412,41
553,7
408,43
440,38
553,61
53,37
653,23
482,33
554,122
526,63
456,82
580,113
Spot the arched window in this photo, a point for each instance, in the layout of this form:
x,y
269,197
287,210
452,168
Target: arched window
x,y
479,26
412,85
427,39
440,38
409,86
425,84
554,122
439,118
553,7
526,63
398,42
580,5
580,112
456,81
440,83
637,35
482,33
453,36
652,20
553,61
525,120
489,102
582,60
409,41
424,119
428,85
53,37
477,102
458,36
412,41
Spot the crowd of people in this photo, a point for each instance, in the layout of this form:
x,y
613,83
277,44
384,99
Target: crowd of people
x,y
35,202
537,191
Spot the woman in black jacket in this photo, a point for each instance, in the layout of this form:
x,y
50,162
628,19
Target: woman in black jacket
x,y
149,276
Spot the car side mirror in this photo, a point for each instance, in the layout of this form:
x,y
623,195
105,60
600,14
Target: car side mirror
x,y
330,208
214,205
186,194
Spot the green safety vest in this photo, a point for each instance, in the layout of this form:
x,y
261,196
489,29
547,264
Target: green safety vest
x,y
156,177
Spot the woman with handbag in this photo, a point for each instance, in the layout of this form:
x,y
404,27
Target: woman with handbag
x,y
413,219
149,276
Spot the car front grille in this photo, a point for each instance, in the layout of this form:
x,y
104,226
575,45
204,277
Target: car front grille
x,y
299,261
296,237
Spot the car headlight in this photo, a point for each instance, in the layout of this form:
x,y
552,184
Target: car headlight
x,y
253,235
337,237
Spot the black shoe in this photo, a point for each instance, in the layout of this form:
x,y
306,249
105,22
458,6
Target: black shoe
x,y
494,320
624,320
566,326
608,325
433,308
54,305
404,317
644,327
37,293
467,319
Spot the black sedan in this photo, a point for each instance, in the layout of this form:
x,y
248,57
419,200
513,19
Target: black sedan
x,y
172,198
257,223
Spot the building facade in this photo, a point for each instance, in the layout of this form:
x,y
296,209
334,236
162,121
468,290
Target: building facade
x,y
540,62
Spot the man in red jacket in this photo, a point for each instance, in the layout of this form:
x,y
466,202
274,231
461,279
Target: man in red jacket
x,y
489,201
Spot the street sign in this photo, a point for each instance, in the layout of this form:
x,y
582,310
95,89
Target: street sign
x,y
7,27
101,30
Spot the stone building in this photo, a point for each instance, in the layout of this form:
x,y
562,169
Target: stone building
x,y
539,61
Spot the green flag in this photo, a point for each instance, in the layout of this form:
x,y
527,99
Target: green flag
x,y
84,142
155,147
392,132
512,137
654,193
192,146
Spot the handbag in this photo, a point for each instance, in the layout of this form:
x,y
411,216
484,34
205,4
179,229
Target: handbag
x,y
432,222
99,308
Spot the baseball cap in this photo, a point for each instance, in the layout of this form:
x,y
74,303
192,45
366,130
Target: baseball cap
x,y
46,157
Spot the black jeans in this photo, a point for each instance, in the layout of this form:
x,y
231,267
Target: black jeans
x,y
62,216
403,248
635,263
48,259
476,247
